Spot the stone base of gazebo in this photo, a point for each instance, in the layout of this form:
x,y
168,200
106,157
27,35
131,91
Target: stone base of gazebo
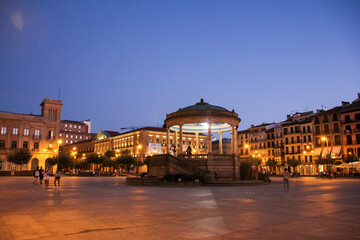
x,y
210,167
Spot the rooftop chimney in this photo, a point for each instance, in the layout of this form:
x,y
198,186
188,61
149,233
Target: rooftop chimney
x,y
344,103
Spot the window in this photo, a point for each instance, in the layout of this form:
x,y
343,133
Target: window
x,y
37,133
336,127
286,141
304,139
298,139
65,125
309,138
3,130
304,129
317,120
298,148
358,139
292,149
337,140
80,137
25,144
74,126
67,141
76,136
51,134
79,127
36,145
26,132
15,131
72,136
317,130
308,129
2,144
70,125
348,140
326,119
326,128
335,117
357,117
347,118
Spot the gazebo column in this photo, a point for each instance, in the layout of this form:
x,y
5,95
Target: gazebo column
x,y
236,140
232,139
176,141
209,139
167,140
197,142
220,142
181,138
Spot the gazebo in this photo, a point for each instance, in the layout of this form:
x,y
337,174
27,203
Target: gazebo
x,y
203,118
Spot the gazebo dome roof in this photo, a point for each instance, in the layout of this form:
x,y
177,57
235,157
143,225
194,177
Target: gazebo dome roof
x,y
203,106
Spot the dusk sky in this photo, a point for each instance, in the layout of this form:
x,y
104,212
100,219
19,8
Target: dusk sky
x,y
128,63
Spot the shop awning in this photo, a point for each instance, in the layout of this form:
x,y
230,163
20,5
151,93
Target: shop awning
x,y
317,151
336,150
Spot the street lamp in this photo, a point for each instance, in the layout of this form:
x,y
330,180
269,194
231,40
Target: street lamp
x,y
57,164
137,161
327,143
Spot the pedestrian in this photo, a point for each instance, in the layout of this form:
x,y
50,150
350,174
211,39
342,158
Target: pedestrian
x,y
188,151
36,176
170,152
41,174
46,178
286,180
57,179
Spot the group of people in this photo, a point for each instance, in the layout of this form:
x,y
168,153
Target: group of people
x,y
40,174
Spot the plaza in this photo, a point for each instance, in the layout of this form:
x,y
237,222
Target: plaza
x,y
107,208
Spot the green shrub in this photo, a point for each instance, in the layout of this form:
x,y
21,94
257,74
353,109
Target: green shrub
x,y
183,177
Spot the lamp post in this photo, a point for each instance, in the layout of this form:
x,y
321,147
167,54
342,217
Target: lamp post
x,y
327,143
137,161
57,164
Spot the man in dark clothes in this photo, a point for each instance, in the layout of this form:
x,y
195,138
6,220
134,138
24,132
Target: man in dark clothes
x,y
41,174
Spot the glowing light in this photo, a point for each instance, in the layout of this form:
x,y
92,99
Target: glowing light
x,y
17,20
246,146
206,125
50,146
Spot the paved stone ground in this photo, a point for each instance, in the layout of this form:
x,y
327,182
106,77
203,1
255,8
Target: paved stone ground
x,y
106,208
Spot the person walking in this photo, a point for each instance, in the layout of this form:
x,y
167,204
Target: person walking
x,y
286,176
57,180
36,176
41,174
46,178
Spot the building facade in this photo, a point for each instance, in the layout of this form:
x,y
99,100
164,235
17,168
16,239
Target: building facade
x,y
75,131
38,133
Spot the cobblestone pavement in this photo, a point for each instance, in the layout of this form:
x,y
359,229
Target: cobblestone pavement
x,y
106,208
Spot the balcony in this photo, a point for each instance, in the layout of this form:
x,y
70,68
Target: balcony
x,y
347,131
36,136
50,137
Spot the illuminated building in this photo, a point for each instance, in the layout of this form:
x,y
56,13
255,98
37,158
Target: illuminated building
x,y
350,120
38,133
75,131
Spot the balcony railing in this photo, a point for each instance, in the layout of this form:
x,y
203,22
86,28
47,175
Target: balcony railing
x,y
50,137
36,136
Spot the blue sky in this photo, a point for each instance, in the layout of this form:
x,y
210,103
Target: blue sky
x,y
128,63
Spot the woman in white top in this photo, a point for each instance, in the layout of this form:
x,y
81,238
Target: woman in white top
x,y
286,176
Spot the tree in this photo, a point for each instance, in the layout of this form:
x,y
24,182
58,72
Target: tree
x,y
109,154
93,158
294,163
64,160
20,157
126,161
271,163
351,158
